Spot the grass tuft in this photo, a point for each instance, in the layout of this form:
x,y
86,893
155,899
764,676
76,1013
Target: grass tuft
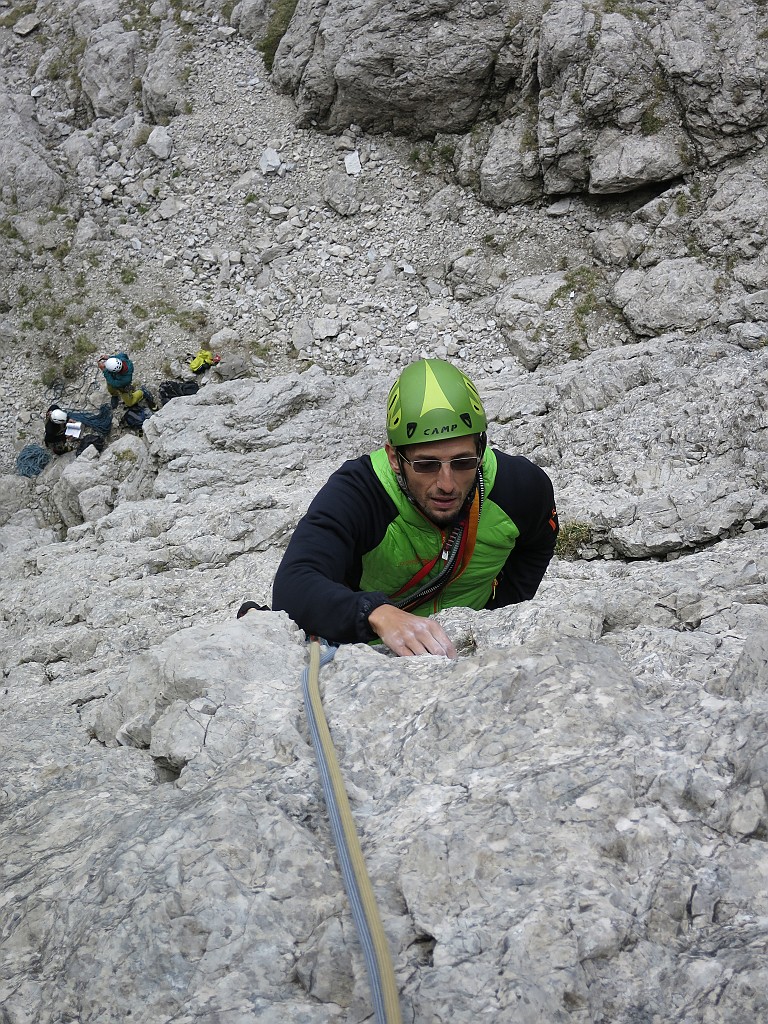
x,y
571,539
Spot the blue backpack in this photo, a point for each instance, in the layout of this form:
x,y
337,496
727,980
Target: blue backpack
x,y
133,418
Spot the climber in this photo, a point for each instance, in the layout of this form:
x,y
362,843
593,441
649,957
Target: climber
x,y
434,519
64,434
118,373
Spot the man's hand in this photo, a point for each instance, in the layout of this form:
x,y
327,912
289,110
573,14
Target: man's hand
x,y
407,634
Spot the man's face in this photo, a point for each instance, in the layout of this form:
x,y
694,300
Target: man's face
x,y
441,495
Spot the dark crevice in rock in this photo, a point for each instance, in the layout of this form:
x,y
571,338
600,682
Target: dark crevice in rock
x,y
424,945
628,202
166,772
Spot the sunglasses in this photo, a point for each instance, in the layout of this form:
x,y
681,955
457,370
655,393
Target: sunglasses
x,y
431,467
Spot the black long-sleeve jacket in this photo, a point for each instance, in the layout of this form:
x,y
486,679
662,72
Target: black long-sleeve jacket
x,y
360,511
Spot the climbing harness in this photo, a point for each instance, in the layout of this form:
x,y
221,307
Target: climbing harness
x,y
381,975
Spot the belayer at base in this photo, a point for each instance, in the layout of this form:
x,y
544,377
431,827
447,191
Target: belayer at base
x,y
64,433
434,519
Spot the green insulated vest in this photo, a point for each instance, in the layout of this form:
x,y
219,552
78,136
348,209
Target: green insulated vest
x,y
412,540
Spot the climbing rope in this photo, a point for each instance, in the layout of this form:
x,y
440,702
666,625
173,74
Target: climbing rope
x,y
101,420
365,913
32,460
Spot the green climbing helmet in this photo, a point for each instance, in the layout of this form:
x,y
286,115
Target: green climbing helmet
x,y
432,400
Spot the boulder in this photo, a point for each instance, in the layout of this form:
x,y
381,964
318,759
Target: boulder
x,y
112,67
163,93
28,179
674,294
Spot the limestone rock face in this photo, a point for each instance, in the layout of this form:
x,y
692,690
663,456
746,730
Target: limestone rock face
x,y
573,807
162,92
112,64
15,495
568,822
587,100
251,18
28,180
673,293
393,69
736,217
90,486
509,172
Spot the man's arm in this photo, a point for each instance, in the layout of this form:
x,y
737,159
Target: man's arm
x,y
525,493
318,575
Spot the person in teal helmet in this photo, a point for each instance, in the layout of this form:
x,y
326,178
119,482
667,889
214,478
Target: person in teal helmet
x,y
433,519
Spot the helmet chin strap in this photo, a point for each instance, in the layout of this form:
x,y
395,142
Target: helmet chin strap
x,y
401,482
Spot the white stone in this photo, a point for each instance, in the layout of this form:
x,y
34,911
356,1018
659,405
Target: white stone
x,y
160,142
352,163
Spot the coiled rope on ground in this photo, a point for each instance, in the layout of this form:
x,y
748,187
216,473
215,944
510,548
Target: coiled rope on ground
x,y
32,460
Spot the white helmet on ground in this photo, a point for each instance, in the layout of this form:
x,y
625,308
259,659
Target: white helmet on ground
x,y
113,364
58,416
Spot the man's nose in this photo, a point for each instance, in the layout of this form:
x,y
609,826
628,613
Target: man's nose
x,y
445,476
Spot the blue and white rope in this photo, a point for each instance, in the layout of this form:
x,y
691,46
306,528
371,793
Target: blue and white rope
x,y
365,913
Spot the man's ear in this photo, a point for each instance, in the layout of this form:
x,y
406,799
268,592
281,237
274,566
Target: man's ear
x,y
392,456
